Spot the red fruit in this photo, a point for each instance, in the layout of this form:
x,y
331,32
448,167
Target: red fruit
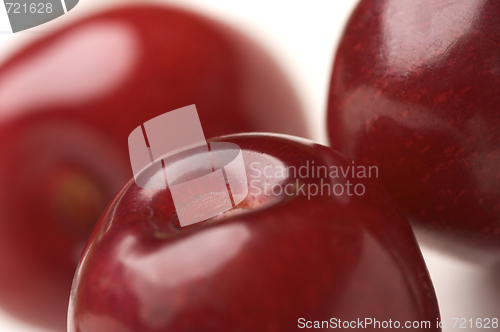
x,y
262,266
416,91
67,105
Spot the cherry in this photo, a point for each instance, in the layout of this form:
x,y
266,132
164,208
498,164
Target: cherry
x,y
67,105
285,253
415,91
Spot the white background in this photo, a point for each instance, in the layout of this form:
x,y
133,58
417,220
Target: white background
x,y
302,37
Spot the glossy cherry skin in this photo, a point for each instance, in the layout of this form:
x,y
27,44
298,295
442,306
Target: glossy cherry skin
x,y
273,259
67,105
416,90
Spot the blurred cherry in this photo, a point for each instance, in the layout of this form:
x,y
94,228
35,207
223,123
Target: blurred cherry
x,y
67,105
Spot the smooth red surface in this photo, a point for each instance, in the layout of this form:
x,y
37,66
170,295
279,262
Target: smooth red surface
x,y
67,105
416,90
260,267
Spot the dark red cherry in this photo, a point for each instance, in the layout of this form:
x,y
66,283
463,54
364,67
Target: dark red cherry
x,y
416,91
299,248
